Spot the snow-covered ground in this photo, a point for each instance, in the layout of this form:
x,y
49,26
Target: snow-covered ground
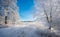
x,y
23,31
18,32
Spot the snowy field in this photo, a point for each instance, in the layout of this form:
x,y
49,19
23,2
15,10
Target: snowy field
x,y
24,31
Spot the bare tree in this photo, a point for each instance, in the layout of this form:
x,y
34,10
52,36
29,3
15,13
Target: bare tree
x,y
5,19
48,17
49,7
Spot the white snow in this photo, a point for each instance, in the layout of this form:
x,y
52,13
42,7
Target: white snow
x,y
23,31
16,31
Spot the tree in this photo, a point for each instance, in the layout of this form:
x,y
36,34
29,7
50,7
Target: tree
x,y
48,16
5,19
51,10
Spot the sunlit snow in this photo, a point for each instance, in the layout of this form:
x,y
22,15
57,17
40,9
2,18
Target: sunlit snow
x,y
23,31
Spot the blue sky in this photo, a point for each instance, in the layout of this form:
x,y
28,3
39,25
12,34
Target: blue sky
x,y
26,9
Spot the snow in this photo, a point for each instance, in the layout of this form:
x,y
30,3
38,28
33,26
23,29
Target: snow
x,y
23,31
17,32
